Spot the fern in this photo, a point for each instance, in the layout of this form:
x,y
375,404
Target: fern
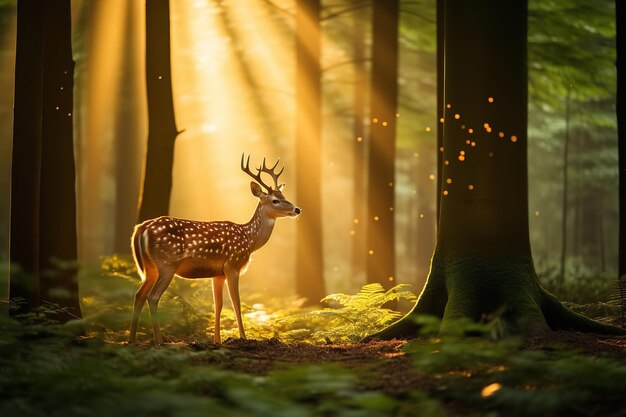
x,y
348,318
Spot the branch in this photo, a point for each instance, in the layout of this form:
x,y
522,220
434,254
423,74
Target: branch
x,y
346,10
280,9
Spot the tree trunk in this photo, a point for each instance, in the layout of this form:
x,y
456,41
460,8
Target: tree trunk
x,y
440,104
620,17
309,256
380,218
162,132
58,238
359,148
25,178
126,149
43,211
482,267
564,202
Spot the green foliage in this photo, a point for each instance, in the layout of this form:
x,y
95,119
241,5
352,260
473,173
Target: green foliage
x,y
349,318
581,284
506,376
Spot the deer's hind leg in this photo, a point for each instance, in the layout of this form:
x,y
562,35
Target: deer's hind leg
x,y
140,298
165,275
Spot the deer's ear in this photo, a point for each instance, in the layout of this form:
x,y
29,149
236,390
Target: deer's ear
x,y
281,187
256,189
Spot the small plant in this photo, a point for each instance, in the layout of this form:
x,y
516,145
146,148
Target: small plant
x,y
348,318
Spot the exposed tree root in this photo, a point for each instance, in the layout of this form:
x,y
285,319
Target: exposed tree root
x,y
463,286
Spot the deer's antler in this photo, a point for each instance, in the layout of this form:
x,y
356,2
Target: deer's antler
x,y
263,168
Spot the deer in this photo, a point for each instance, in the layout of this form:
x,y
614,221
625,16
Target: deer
x,y
166,246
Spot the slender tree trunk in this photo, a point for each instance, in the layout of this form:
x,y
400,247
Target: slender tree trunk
x,y
58,238
482,267
359,147
440,104
309,256
380,220
126,150
564,205
157,179
25,178
620,17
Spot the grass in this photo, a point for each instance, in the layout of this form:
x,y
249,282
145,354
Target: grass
x,y
300,363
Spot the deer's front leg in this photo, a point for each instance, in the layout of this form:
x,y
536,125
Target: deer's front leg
x,y
218,301
232,278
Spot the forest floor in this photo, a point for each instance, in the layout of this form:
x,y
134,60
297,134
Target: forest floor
x,y
585,366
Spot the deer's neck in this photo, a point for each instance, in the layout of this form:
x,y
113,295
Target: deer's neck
x,y
260,226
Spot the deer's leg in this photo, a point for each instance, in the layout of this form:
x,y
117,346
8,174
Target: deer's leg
x,y
163,281
232,279
218,301
140,299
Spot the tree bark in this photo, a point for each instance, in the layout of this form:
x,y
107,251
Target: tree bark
x,y
620,18
309,253
58,238
482,267
126,149
25,178
43,211
359,147
157,179
380,220
440,104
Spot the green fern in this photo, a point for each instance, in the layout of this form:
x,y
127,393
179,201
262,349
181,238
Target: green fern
x,y
348,318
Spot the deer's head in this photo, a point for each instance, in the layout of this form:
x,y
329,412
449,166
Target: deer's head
x,y
272,199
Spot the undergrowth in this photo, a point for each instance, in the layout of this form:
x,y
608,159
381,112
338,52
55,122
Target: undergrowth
x,y
48,369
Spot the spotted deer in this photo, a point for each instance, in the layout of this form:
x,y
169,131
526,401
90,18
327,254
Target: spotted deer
x,y
168,246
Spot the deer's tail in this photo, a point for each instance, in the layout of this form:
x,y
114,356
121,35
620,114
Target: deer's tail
x,y
137,247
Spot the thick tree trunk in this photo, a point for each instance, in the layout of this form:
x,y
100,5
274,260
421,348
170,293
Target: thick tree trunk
x,y
309,254
58,238
25,178
157,179
482,267
380,220
43,211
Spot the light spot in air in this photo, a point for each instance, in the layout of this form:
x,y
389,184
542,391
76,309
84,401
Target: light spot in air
x,y
449,180
431,177
371,251
427,129
513,138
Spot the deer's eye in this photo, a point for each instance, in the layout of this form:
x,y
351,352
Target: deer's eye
x,y
275,201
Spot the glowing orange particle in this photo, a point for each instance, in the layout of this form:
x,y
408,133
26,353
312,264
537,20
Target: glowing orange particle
x,y
473,143
445,192
501,134
462,152
461,158
384,123
427,129
431,177
486,125
468,141
490,389
457,116
470,130
490,99
449,180
446,162
441,120
375,120
359,139
441,149
513,138
449,106
471,187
